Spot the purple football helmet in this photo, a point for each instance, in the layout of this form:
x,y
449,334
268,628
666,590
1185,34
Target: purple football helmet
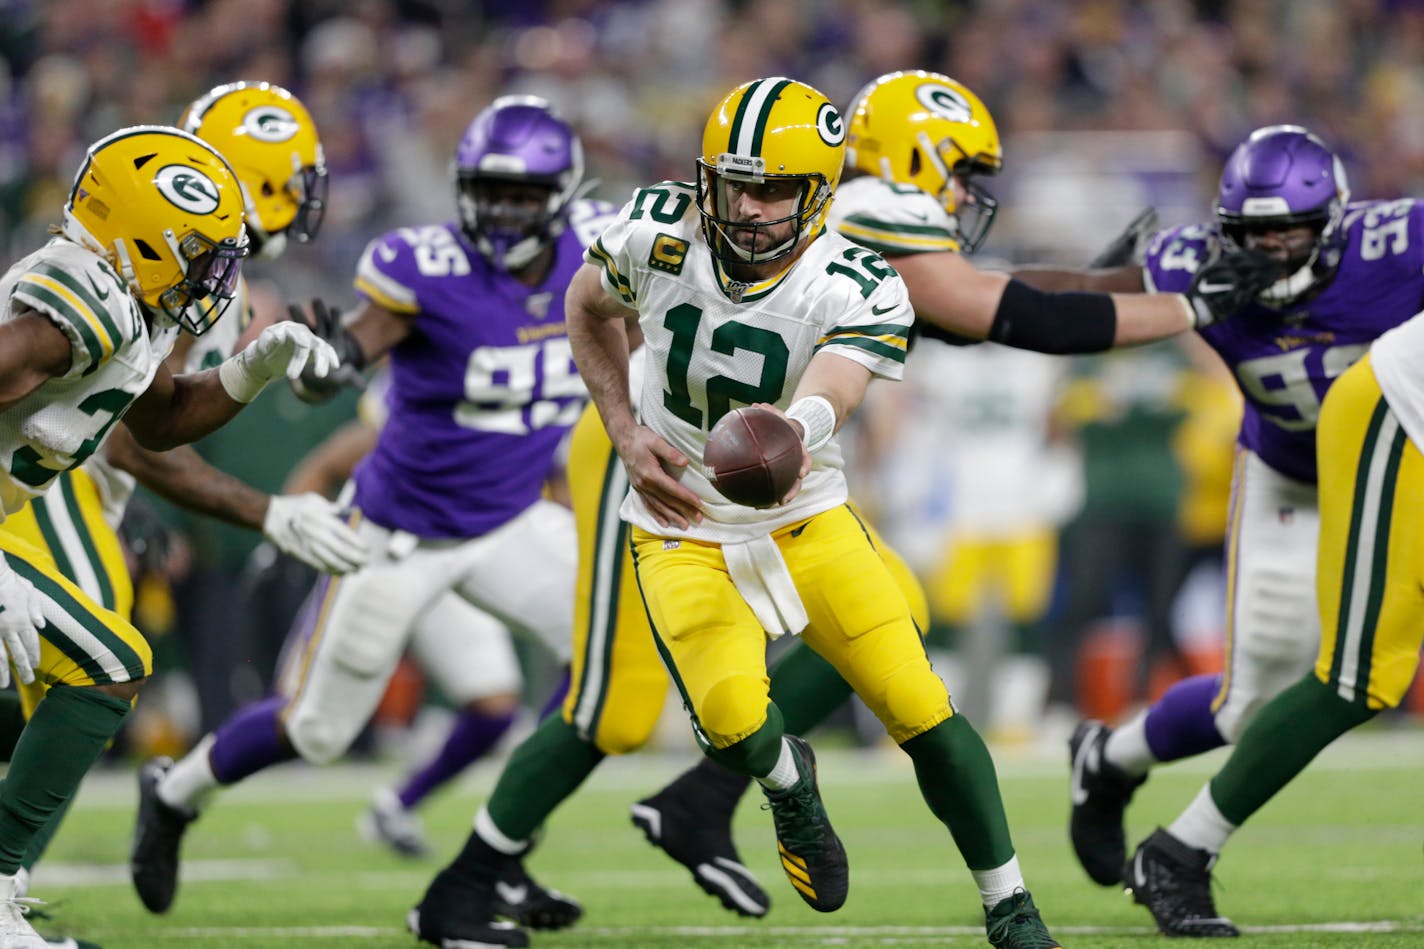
x,y
516,140
1283,176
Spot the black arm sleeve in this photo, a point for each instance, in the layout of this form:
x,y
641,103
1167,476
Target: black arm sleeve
x,y
1057,323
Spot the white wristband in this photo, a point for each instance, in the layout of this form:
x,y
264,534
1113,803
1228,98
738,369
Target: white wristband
x,y
238,381
818,420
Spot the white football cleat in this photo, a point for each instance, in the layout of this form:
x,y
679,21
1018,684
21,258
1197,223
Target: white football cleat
x,y
15,930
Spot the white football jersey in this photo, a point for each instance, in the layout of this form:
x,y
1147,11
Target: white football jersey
x,y
715,344
1396,357
892,219
115,357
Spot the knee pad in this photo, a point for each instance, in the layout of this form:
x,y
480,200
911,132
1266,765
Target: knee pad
x,y
732,709
915,700
318,740
623,734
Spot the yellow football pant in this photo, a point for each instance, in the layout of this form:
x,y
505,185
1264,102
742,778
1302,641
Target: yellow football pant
x,y
1370,571
618,683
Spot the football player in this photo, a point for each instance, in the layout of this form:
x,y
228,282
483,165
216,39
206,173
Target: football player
x,y
1350,272
269,138
919,144
1370,594
151,244
483,389
802,320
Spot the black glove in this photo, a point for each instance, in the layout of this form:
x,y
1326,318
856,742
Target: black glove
x,y
325,322
1126,247
1229,280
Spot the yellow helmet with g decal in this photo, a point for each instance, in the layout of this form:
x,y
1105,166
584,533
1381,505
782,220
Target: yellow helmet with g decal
x,y
272,143
773,130
925,129
166,209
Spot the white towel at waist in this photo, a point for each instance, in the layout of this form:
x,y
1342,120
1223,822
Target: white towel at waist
x,y
760,574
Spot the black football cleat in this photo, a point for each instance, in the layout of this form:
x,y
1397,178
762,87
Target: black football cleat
x,y
519,897
811,854
692,824
1100,794
1173,881
158,834
1014,923
457,912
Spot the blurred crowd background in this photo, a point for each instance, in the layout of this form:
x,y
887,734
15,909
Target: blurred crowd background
x,y
1091,494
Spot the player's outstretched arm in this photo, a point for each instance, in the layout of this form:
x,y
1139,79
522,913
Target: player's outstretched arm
x,y
306,526
176,410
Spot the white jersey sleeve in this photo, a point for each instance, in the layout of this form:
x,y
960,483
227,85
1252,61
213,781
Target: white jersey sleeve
x,y
714,344
892,219
1396,357
115,357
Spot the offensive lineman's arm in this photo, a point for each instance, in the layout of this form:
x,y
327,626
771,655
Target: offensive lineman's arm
x,y
599,338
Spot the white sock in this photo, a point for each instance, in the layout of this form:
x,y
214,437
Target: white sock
x,y
1201,825
190,781
492,835
785,774
999,883
1127,748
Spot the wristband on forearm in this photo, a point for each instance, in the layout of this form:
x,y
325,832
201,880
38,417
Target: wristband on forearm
x,y
240,382
818,420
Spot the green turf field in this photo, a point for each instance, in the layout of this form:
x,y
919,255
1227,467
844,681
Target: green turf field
x,y
1338,860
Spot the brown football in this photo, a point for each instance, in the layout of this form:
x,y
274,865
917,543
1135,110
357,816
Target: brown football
x,y
753,457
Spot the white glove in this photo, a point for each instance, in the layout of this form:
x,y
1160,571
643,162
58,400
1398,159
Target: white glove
x,y
310,528
21,616
282,349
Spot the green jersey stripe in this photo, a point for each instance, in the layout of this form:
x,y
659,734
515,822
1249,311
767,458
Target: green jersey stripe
x,y
895,227
43,298
883,350
90,297
873,329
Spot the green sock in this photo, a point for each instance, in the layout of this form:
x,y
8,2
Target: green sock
x,y
1281,740
756,754
806,688
958,782
44,835
69,730
543,771
12,722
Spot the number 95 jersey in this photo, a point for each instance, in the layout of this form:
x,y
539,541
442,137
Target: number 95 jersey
x,y
1285,359
483,388
715,344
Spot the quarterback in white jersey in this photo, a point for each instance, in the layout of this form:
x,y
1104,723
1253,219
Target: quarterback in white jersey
x,y
744,298
152,240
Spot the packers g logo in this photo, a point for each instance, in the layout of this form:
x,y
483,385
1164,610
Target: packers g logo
x,y
830,125
268,123
944,102
188,188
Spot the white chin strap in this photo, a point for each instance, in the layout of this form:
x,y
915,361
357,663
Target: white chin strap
x,y
1289,288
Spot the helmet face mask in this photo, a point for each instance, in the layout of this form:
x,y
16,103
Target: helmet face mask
x,y
167,210
269,137
927,130
1285,192
517,169
775,146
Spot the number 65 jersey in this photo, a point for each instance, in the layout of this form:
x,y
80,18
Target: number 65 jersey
x,y
715,344
1285,359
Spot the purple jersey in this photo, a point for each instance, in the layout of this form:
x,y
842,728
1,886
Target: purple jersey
x,y
482,390
1285,359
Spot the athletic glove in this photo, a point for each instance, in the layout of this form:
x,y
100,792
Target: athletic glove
x,y
325,322
310,528
21,616
283,349
1228,281
1126,247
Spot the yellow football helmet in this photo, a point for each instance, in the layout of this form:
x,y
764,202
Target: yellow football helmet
x,y
768,131
925,129
271,141
166,209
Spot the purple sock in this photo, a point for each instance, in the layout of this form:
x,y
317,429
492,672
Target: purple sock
x,y
1182,724
556,698
249,741
472,735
